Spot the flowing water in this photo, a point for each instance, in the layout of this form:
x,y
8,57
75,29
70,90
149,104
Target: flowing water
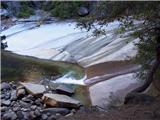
x,y
103,57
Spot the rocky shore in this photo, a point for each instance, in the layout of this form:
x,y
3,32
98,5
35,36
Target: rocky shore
x,y
30,101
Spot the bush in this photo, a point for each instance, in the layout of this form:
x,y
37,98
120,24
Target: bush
x,y
63,9
25,11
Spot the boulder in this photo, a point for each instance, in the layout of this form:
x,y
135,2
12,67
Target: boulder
x,y
34,89
62,111
63,89
57,100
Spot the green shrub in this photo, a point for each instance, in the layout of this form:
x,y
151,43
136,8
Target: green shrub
x,y
25,11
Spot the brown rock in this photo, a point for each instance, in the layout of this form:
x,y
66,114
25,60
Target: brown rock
x,y
57,100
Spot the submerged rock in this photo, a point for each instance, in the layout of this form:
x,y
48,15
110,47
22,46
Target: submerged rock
x,y
63,89
57,100
34,89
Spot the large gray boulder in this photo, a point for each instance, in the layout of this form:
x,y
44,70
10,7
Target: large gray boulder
x,y
34,89
57,100
63,89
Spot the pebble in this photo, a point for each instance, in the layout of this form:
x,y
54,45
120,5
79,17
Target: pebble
x,y
16,109
25,99
7,95
3,109
24,109
9,116
32,114
52,117
26,115
44,117
24,104
5,86
33,107
37,112
13,95
20,115
6,102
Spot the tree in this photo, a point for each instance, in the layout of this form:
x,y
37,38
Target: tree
x,y
149,46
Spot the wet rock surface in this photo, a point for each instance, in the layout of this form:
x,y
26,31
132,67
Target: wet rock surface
x,y
22,104
63,89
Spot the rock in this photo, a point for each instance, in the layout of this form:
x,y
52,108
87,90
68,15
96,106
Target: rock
x,y
2,96
33,107
44,117
37,113
13,95
23,104
9,116
20,115
26,115
83,11
7,95
32,115
38,102
70,114
20,87
34,89
6,102
5,86
57,100
63,89
20,93
25,99
62,111
24,109
13,103
52,117
3,109
16,109
31,97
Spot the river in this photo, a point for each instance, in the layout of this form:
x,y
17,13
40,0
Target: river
x,y
104,58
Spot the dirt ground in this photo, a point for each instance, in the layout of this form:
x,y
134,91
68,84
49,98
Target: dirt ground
x,y
127,112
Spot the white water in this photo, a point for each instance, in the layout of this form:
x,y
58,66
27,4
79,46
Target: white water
x,y
69,79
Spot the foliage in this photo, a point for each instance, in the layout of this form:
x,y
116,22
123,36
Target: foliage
x,y
25,10
64,9
4,5
126,12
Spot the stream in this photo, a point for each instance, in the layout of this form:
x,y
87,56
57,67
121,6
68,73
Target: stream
x,y
103,58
